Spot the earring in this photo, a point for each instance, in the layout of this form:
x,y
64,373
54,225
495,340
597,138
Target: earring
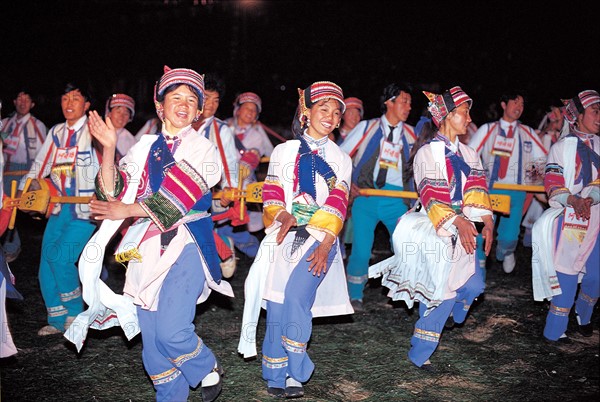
x,y
338,125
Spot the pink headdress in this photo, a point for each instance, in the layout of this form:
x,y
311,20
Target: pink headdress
x,y
441,105
179,76
247,97
575,106
355,103
120,100
316,92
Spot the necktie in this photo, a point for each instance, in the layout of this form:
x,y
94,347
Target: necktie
x,y
504,159
15,132
63,176
383,170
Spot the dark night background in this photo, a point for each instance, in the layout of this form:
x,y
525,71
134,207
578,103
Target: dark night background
x,y
273,47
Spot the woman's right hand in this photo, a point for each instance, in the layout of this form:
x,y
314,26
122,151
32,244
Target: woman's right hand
x,y
581,206
467,234
287,221
102,131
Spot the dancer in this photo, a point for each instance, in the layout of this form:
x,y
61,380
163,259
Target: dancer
x,y
434,258
164,182
298,272
566,235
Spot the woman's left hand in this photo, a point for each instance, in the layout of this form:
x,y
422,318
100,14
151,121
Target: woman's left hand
x,y
319,258
467,234
488,233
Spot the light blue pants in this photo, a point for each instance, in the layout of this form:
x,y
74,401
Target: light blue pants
x,y
289,326
428,329
367,212
175,357
509,226
557,319
63,242
243,240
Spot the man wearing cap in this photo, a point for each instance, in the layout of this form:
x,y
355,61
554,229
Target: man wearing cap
x,y
566,244
120,108
380,149
512,153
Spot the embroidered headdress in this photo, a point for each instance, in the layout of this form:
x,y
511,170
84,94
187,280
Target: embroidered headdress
x,y
355,103
179,76
440,105
120,100
575,106
318,91
247,97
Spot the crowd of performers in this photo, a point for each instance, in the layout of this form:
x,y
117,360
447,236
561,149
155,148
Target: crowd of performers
x,y
328,185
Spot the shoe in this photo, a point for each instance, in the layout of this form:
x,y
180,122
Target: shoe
x,y
357,305
563,340
229,265
49,330
509,263
276,392
293,388
427,366
212,384
586,330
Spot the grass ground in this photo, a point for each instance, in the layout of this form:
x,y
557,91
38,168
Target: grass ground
x,y
499,353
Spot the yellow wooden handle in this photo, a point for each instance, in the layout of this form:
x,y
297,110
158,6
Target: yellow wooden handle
x,y
519,187
241,176
500,202
13,215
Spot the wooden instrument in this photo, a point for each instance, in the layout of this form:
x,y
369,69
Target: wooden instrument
x,y
500,202
253,193
41,201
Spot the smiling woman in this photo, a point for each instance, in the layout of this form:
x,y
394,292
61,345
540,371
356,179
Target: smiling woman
x,y
298,271
174,264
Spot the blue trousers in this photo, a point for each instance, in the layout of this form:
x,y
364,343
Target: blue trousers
x,y
557,319
509,226
428,329
367,212
63,242
243,240
175,357
289,327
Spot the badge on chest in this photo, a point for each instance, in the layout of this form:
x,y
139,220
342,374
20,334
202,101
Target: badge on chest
x,y
389,156
503,146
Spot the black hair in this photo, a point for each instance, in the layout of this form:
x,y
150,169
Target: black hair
x,y
428,132
160,98
513,94
390,91
72,86
213,82
27,92
297,126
